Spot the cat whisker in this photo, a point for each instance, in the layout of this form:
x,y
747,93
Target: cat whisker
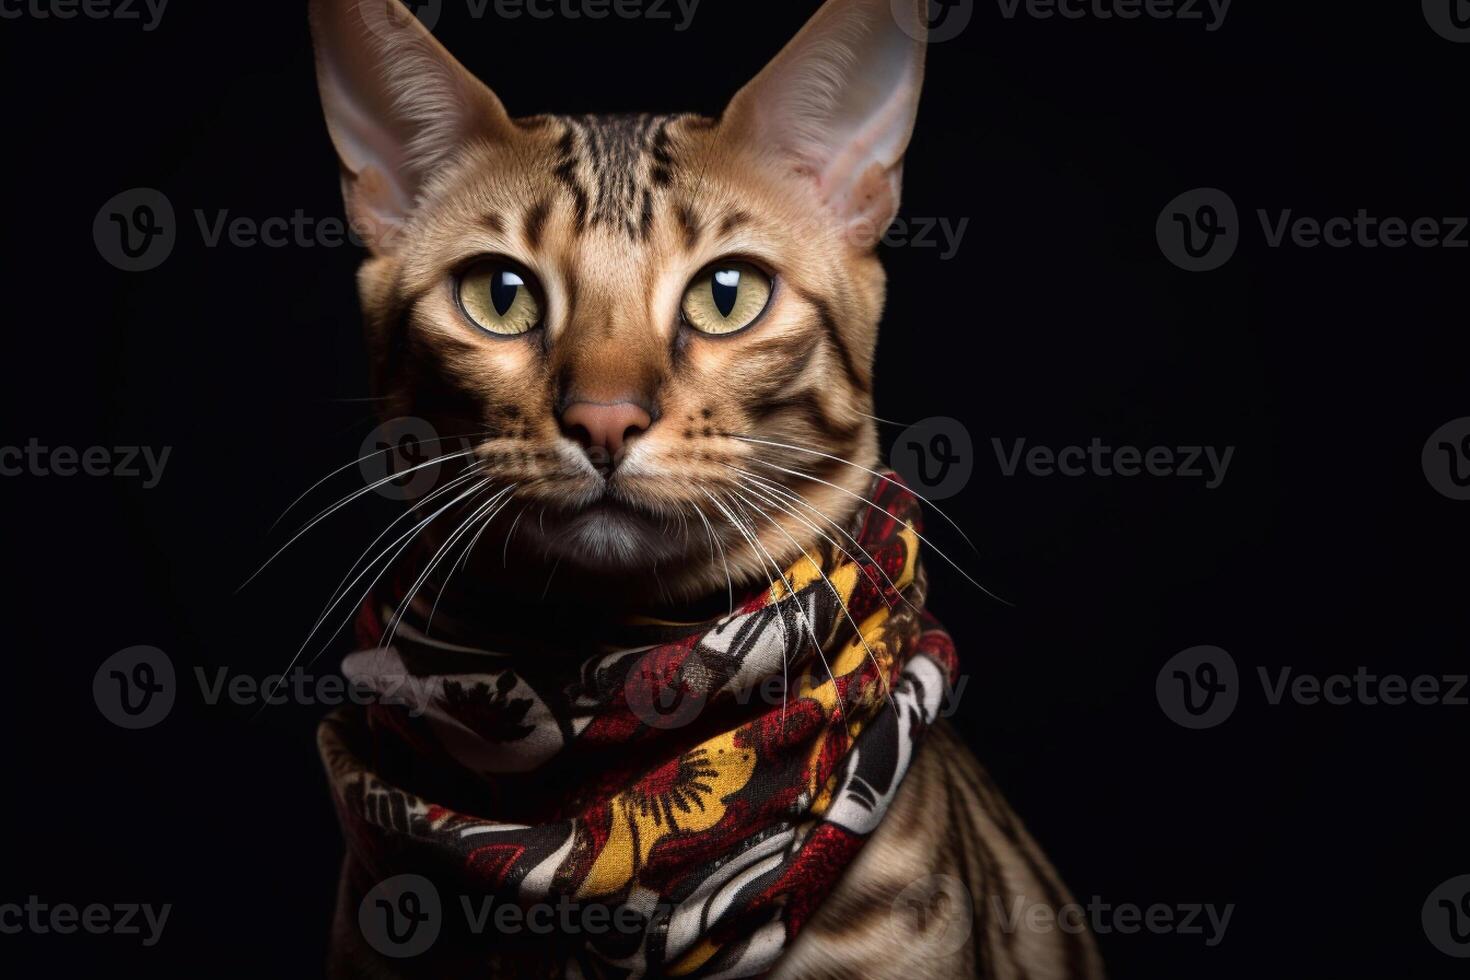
x,y
474,491
358,462
754,538
393,560
684,526
662,591
343,586
785,638
402,544
505,551
413,591
841,604
714,543
861,499
549,578
750,479
902,425
791,592
343,503
464,559
847,462
508,494
857,631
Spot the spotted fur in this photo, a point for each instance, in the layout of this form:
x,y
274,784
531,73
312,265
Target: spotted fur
x,y
615,216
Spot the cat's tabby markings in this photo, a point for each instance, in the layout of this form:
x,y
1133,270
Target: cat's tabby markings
x,y
588,236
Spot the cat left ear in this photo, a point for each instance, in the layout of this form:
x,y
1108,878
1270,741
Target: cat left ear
x,y
398,107
839,104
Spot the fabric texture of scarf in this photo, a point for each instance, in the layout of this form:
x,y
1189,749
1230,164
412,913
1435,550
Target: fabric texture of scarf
x,y
678,806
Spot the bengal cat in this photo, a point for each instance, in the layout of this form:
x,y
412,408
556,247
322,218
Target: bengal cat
x,y
656,335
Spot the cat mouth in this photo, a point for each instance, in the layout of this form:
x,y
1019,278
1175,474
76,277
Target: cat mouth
x,y
625,521
609,507
612,533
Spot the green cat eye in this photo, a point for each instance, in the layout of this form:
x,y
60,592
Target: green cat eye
x,y
726,297
500,297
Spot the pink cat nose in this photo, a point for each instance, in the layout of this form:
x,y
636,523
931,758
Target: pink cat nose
x,y
603,429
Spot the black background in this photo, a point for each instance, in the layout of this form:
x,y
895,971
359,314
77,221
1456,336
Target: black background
x,y
1059,320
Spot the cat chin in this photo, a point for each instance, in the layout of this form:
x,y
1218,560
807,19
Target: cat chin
x,y
613,539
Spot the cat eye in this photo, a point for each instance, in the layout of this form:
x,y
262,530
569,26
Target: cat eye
x,y
726,297
500,297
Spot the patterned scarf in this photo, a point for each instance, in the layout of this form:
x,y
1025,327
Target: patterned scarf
x,y
705,789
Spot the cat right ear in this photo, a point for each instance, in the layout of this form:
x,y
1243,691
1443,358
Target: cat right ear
x,y
839,104
398,107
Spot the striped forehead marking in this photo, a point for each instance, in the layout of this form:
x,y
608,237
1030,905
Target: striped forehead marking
x,y
615,168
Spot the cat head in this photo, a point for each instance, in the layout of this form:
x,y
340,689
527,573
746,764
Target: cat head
x,y
659,330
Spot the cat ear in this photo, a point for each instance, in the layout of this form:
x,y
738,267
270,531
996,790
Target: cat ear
x,y
398,106
839,103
